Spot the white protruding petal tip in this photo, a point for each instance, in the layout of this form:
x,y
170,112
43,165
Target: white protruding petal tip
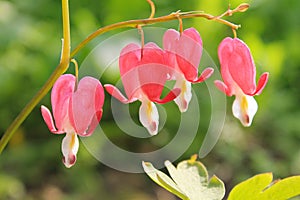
x,y
244,108
69,148
149,118
185,95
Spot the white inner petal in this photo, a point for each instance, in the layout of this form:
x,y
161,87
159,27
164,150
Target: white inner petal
x,y
185,95
244,108
69,148
149,117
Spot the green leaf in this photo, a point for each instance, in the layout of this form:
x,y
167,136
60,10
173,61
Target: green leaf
x,y
163,180
190,180
261,187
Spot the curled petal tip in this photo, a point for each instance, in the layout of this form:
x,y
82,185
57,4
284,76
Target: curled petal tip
x,y
223,87
170,96
204,75
49,120
261,83
115,92
207,72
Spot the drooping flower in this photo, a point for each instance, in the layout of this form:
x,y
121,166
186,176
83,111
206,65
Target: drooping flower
x,y
239,73
184,52
144,72
76,111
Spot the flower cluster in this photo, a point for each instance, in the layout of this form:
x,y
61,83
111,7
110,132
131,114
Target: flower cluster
x,y
144,70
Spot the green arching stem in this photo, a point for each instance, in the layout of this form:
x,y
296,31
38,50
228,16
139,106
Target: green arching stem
x,y
152,8
29,107
135,23
66,47
66,56
76,72
180,25
60,69
141,32
234,33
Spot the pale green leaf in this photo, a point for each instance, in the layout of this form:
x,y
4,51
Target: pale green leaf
x,y
162,179
261,187
190,180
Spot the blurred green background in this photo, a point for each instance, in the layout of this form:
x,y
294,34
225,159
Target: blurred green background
x,y
30,43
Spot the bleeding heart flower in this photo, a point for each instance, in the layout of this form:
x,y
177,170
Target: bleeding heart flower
x,y
144,72
76,111
184,52
239,74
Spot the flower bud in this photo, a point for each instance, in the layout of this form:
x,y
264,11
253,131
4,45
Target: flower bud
x,y
242,7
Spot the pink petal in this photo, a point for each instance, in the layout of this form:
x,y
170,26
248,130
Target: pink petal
x,y
170,42
152,71
188,53
132,85
261,83
152,79
143,72
223,87
94,123
204,75
193,34
61,92
242,67
224,53
170,39
169,97
49,120
85,103
115,92
152,54
129,59
99,101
